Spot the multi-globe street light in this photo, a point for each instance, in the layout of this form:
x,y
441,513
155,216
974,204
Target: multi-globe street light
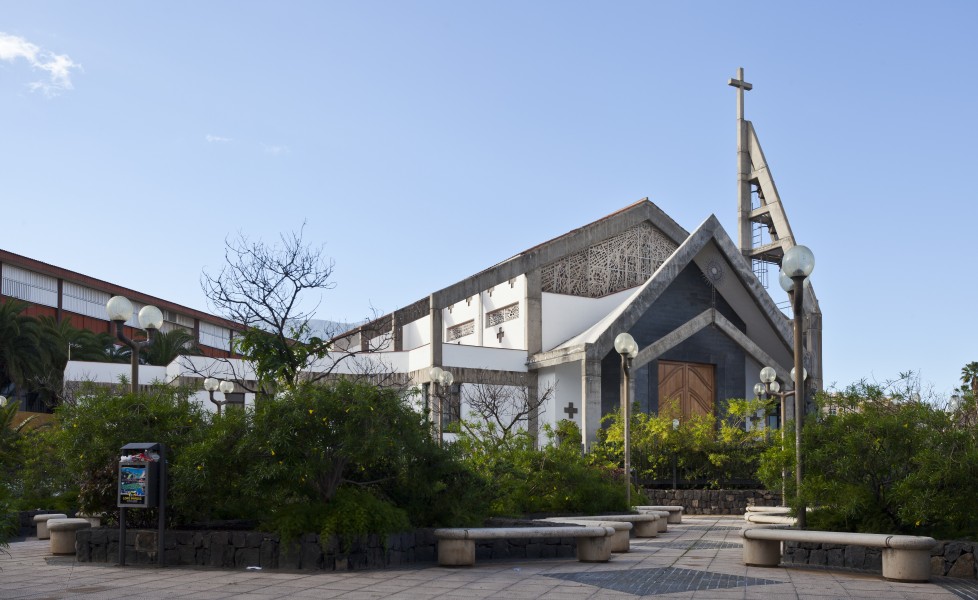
x,y
212,385
626,346
797,264
150,318
769,386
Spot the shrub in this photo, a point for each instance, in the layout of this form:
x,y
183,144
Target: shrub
x,y
704,452
554,479
886,462
95,427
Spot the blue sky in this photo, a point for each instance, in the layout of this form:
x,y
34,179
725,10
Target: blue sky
x,y
425,141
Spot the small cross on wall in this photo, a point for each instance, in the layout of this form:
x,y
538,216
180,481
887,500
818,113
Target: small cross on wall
x,y
570,410
500,335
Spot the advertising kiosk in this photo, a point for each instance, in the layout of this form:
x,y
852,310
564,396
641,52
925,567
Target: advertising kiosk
x,y
142,484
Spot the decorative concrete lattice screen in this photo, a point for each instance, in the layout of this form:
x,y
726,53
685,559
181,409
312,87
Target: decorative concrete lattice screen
x,y
501,315
461,330
616,264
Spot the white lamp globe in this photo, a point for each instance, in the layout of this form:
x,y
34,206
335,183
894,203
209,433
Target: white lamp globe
x,y
774,386
150,317
798,262
759,389
447,378
768,374
3,401
675,423
210,384
119,308
625,345
227,387
804,374
435,374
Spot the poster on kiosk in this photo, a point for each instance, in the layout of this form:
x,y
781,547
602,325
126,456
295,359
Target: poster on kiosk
x,y
139,468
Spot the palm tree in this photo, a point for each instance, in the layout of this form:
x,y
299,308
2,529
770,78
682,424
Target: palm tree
x,y
168,346
969,376
21,353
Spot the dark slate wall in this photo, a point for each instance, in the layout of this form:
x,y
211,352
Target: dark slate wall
x,y
684,299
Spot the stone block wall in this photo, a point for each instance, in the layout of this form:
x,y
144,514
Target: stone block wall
x,y
714,502
240,549
950,559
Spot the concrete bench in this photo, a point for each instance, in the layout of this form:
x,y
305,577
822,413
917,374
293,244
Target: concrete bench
x,y
42,523
675,512
456,547
63,534
905,557
769,515
773,510
620,542
647,524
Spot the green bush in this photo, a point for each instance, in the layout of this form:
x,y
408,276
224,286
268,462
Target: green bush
x,y
553,479
885,462
705,452
95,427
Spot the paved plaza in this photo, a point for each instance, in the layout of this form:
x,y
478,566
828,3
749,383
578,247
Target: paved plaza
x,y
699,559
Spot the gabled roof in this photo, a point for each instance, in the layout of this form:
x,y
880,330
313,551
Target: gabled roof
x,y
598,340
535,257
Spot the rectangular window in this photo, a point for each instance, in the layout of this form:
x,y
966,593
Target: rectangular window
x,y
85,301
460,331
30,286
501,315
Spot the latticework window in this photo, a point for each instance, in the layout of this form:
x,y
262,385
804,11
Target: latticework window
x,y
460,331
616,264
501,315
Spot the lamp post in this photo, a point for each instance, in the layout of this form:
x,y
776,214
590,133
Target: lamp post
x,y
675,456
150,318
797,265
440,378
212,385
769,386
626,346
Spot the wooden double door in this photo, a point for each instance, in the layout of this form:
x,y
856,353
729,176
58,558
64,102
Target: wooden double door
x,y
692,384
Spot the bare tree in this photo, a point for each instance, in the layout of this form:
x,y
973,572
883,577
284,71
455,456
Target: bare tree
x,y
273,291
507,409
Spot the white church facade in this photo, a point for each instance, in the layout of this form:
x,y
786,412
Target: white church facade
x,y
544,323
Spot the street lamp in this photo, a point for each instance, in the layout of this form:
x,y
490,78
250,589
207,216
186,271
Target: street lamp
x,y
797,265
150,318
444,379
769,386
626,346
675,457
212,385
3,402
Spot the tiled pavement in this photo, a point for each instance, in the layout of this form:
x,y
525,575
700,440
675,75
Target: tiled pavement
x,y
700,559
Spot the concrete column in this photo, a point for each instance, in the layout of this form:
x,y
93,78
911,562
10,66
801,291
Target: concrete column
x,y
436,331
590,400
532,397
480,324
397,334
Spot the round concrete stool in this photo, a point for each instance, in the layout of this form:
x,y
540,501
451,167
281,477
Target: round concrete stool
x,y
42,524
63,534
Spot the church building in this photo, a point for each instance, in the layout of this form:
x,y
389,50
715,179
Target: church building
x,y
543,323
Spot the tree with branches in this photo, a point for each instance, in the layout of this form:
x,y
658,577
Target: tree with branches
x,y
271,290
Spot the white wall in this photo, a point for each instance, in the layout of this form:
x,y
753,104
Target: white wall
x,y
102,372
416,333
504,294
454,355
567,316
